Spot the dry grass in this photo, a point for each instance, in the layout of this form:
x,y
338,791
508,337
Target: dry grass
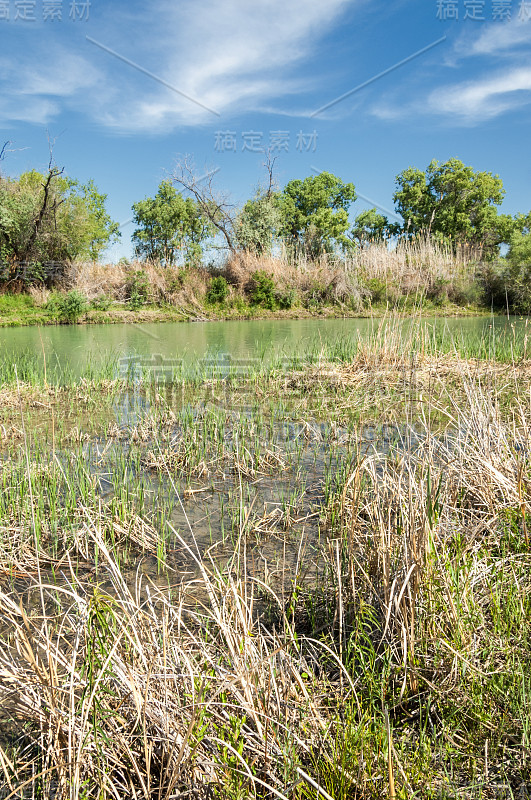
x,y
165,284
420,268
433,569
327,279
39,294
413,267
131,695
416,269
402,670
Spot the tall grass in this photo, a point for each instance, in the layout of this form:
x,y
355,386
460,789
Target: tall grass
x,y
413,271
398,666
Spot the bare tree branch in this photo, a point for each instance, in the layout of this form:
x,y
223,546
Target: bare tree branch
x,y
269,165
53,172
214,206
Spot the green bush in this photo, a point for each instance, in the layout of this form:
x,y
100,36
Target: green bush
x,y
218,290
176,281
262,290
68,307
518,274
101,303
467,292
439,291
137,289
377,289
287,299
239,304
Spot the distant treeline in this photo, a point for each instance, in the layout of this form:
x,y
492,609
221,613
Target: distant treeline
x,y
48,221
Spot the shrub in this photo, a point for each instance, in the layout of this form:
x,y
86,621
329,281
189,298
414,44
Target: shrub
x,y
68,307
438,291
466,292
218,290
101,303
262,290
137,289
287,299
518,275
239,304
176,281
378,290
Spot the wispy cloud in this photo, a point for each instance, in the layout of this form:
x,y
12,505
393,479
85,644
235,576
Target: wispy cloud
x,y
468,102
485,98
232,57
496,38
35,85
482,93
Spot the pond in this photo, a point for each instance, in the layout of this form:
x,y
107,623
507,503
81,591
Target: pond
x,y
70,349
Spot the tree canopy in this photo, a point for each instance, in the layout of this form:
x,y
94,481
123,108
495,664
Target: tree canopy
x,y
314,212
452,202
51,217
370,226
170,227
258,223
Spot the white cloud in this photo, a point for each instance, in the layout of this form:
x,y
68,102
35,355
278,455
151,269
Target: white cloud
x,y
32,110
487,94
35,84
63,76
485,98
231,57
496,38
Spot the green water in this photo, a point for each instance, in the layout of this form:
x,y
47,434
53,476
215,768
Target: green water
x,y
71,348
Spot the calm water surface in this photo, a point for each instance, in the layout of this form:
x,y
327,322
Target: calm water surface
x,y
73,347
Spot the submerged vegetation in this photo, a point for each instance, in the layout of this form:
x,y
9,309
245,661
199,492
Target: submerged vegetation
x,y
309,581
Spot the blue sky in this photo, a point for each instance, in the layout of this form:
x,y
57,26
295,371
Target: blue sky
x,y
221,80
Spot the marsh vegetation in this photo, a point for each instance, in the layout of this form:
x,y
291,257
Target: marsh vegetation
x,y
309,581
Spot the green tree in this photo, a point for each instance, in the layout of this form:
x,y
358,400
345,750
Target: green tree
x,y
518,272
258,223
453,202
169,227
314,212
51,217
371,226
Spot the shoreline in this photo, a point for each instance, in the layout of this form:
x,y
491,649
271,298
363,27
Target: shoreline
x,y
120,315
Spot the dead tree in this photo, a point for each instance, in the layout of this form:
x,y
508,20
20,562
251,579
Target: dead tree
x,y
49,204
212,205
269,165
